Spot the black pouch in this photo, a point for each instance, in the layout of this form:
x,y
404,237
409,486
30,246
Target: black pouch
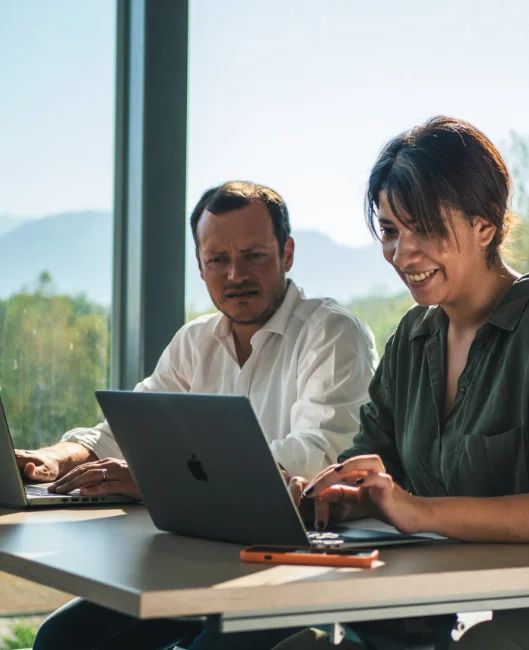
x,y
421,633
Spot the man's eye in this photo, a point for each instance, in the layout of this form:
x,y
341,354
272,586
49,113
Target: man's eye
x,y
256,256
217,260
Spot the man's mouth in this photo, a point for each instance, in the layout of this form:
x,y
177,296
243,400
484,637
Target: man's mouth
x,y
417,278
248,293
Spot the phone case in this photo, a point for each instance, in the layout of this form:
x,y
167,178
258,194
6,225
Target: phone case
x,y
270,556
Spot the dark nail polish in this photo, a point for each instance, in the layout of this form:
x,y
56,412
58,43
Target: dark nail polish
x,y
320,525
338,468
308,491
360,481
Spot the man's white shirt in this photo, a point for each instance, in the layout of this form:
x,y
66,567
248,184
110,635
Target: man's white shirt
x,y
306,379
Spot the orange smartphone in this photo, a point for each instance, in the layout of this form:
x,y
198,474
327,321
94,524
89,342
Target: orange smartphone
x,y
311,556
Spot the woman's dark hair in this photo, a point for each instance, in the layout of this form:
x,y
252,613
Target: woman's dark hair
x,y
443,164
238,194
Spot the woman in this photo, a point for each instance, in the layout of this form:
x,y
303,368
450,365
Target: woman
x,y
444,442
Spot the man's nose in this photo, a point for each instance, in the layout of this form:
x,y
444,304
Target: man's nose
x,y
237,271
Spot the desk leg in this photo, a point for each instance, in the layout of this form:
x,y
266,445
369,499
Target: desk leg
x,y
337,633
467,621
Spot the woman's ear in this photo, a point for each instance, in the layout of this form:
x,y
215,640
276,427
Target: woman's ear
x,y
484,231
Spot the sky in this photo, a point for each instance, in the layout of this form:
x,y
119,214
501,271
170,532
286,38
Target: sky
x,y
296,94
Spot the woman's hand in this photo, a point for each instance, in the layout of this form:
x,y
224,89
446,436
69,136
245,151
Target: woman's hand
x,y
296,485
361,487
107,476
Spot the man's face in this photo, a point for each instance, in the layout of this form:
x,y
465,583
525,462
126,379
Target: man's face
x,y
240,263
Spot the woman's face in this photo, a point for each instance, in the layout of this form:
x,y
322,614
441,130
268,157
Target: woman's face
x,y
437,272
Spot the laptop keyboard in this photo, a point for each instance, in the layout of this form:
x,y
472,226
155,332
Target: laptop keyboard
x,y
42,491
325,539
36,490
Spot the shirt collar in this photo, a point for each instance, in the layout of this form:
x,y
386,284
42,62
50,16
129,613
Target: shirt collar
x,y
507,315
278,322
429,323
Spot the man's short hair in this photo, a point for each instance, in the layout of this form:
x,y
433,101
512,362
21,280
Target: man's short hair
x,y
238,194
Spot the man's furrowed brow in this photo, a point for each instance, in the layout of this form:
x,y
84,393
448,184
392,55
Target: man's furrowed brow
x,y
254,247
212,251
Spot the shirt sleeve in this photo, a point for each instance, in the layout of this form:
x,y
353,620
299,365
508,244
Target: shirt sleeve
x,y
172,374
377,423
335,367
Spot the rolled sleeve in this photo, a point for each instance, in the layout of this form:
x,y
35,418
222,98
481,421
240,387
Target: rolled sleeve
x,y
98,439
334,371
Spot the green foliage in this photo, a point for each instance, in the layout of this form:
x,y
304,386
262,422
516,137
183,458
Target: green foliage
x,y
22,636
518,163
516,251
54,353
382,314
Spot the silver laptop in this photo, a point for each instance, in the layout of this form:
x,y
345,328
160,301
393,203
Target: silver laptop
x,y
205,469
16,493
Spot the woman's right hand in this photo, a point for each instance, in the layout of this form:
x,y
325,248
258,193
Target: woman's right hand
x,y
319,513
362,485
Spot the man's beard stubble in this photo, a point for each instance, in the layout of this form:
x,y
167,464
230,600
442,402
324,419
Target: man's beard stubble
x,y
273,305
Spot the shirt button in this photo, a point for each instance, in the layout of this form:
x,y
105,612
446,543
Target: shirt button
x,y
479,344
462,391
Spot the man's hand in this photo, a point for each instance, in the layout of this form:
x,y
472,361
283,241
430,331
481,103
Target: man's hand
x,y
40,465
107,476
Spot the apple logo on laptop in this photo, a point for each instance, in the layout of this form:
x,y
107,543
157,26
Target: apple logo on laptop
x,y
196,469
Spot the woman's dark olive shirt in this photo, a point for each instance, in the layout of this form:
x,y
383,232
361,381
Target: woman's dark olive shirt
x,y
482,447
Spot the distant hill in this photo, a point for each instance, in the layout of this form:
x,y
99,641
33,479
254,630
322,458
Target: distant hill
x,y
8,223
76,249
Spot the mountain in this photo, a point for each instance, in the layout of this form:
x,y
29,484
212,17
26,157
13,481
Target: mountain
x,y
8,223
76,249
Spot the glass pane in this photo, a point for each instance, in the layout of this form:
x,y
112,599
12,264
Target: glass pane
x,y
57,75
301,96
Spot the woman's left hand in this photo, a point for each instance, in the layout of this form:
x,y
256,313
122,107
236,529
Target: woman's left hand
x,y
362,485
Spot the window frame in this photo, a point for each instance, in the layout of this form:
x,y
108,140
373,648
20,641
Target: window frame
x,y
148,304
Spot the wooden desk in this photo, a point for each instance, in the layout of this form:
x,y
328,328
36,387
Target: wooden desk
x,y
115,557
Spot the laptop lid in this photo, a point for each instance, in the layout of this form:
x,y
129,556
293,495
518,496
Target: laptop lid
x,y
17,493
203,466
11,487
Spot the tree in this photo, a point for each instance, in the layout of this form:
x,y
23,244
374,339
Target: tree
x,y
54,353
517,248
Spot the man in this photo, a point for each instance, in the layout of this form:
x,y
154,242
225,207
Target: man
x,y
305,365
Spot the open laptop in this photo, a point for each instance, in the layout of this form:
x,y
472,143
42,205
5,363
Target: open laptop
x,y
204,469
16,493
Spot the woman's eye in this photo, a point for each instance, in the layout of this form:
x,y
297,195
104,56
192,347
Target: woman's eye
x,y
387,232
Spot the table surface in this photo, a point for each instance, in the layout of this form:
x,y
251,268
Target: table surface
x,y
116,557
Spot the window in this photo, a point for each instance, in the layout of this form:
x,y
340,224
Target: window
x,y
56,189
301,96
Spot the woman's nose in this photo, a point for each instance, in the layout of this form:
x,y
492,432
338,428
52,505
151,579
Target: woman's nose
x,y
406,250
